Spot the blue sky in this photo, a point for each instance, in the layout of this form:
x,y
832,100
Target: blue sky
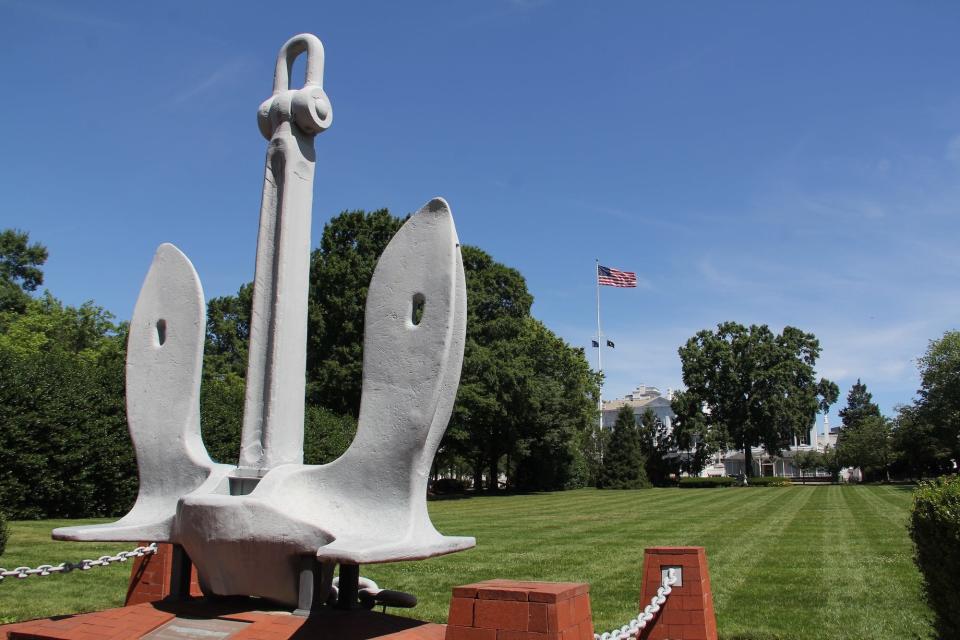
x,y
778,163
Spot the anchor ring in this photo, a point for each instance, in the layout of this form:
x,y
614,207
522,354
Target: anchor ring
x,y
307,106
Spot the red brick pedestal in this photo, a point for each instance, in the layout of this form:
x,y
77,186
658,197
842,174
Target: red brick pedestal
x,y
490,610
688,611
515,610
150,576
159,620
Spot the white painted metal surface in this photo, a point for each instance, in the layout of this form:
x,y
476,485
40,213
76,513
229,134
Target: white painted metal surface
x,y
367,506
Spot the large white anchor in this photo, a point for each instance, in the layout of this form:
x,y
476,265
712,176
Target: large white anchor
x,y
250,528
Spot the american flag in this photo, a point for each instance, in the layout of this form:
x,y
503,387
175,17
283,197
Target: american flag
x,y
615,277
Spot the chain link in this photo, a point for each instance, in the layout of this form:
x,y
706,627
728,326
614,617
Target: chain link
x,y
630,630
83,565
633,628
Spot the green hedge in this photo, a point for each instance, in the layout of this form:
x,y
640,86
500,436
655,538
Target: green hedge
x,y
935,530
705,483
4,533
768,481
727,481
450,485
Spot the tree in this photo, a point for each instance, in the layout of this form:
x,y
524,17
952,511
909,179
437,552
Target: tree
x,y
860,406
867,444
624,464
749,386
863,428
492,402
827,460
221,415
64,448
938,404
830,461
326,434
525,396
340,272
658,447
20,271
916,445
807,461
46,324
558,395
827,394
228,334
695,439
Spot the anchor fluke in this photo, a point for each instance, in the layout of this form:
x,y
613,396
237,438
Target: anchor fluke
x,y
163,370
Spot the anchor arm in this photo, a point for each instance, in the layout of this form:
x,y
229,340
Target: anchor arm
x,y
164,365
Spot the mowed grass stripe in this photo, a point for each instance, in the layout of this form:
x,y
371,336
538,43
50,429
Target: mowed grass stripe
x,y
30,545
833,584
776,583
740,563
886,567
899,497
877,507
785,562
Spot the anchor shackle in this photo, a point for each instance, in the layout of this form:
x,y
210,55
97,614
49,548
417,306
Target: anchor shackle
x,y
307,107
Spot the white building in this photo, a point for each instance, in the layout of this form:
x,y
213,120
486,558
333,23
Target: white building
x,y
730,462
642,398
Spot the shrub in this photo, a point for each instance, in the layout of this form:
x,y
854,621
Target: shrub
x,y
221,416
449,485
64,447
768,481
326,435
935,530
705,483
4,533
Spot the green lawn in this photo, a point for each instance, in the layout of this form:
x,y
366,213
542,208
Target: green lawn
x,y
796,562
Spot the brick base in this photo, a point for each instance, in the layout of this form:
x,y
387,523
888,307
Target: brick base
x,y
133,622
150,576
515,610
490,610
688,611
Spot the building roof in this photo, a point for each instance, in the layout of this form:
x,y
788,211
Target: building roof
x,y
614,405
642,396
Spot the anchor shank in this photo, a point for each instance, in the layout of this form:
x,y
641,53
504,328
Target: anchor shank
x,y
276,370
274,400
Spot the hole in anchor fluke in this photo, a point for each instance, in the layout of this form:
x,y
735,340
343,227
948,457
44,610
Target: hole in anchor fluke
x,y
416,310
161,331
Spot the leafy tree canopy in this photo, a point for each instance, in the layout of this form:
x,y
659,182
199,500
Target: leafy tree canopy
x,y
64,446
525,397
624,465
919,446
749,386
20,271
939,402
860,405
659,448
867,444
827,392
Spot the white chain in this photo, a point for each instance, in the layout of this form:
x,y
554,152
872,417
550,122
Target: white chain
x,y
83,565
633,628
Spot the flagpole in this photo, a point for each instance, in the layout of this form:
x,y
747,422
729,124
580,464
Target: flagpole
x,y
599,347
